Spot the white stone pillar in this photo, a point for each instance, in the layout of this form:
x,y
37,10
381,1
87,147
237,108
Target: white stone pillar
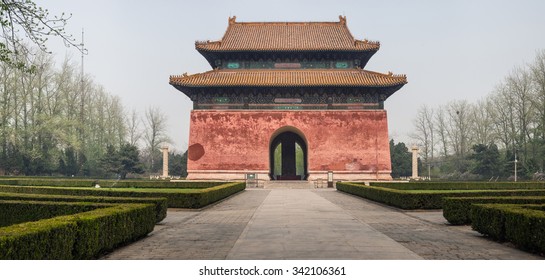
x,y
415,162
165,161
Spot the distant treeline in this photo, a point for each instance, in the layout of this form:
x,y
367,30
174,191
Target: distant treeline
x,y
54,121
482,138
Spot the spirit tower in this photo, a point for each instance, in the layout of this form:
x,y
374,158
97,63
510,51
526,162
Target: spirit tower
x,y
288,101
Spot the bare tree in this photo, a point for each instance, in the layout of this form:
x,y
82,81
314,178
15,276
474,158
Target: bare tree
x,y
35,23
538,80
441,129
504,115
429,116
519,86
458,126
154,134
424,131
483,122
134,134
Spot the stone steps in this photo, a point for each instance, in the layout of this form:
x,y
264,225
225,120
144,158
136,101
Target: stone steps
x,y
288,185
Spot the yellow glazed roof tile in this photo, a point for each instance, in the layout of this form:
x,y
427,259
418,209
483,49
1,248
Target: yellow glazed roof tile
x,y
288,36
284,78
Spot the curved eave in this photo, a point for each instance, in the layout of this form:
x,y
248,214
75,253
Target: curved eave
x,y
353,78
217,47
289,77
212,55
387,91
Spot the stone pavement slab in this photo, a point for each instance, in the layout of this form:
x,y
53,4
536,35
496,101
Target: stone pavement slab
x,y
194,234
299,224
425,232
292,223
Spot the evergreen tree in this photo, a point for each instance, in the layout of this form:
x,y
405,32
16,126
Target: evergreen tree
x,y
177,164
129,158
401,159
486,160
71,167
111,162
122,162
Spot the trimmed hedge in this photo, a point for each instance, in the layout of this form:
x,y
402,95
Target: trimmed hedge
x,y
218,193
457,210
106,229
489,220
108,183
51,239
177,198
424,199
460,185
522,225
15,212
159,202
79,236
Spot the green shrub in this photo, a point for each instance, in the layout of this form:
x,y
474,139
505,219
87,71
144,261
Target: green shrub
x,y
214,194
525,227
105,229
78,236
177,198
391,197
540,206
15,212
460,185
50,239
521,224
488,220
11,182
56,182
457,210
423,199
159,202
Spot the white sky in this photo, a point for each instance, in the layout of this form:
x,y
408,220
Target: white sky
x,y
448,49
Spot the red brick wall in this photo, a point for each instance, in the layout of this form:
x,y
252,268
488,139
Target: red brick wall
x,y
351,141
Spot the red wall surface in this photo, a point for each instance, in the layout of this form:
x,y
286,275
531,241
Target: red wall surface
x,y
351,142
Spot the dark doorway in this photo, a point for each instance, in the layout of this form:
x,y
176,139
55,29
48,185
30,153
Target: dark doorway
x,y
288,157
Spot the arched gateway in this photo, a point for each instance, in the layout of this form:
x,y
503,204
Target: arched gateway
x,y
288,156
288,100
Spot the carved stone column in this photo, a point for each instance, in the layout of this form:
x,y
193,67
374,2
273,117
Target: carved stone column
x,y
415,162
165,161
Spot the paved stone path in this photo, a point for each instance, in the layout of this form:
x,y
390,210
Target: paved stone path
x,y
299,224
425,232
310,224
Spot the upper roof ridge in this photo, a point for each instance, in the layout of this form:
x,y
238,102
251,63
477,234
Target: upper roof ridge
x,y
288,36
232,20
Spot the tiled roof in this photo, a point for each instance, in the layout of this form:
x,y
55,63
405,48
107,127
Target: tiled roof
x,y
287,36
285,78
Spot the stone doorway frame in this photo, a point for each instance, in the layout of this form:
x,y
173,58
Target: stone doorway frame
x,y
300,139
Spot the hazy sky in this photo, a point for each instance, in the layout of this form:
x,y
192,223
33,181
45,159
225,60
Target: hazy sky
x,y
448,49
